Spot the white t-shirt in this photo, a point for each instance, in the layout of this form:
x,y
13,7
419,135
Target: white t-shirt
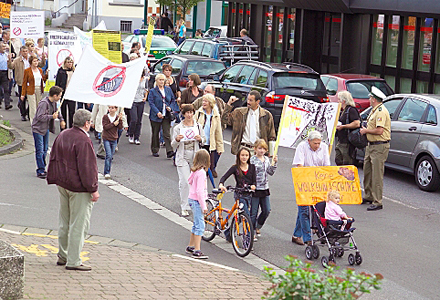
x,y
37,78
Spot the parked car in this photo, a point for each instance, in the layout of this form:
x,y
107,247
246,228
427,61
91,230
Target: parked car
x,y
274,81
183,65
415,137
357,84
230,50
216,32
160,45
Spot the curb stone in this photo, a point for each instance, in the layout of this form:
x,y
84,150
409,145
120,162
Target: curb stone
x,y
16,144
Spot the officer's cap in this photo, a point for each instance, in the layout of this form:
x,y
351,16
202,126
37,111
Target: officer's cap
x,y
378,94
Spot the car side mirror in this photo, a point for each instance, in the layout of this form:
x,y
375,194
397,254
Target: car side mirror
x,y
331,92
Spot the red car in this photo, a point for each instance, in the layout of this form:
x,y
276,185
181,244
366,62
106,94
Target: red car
x,y
357,84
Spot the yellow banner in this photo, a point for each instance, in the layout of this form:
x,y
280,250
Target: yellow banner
x,y
313,183
149,37
108,44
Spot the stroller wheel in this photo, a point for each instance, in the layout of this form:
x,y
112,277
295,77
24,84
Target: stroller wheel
x,y
324,261
358,258
309,252
351,259
315,249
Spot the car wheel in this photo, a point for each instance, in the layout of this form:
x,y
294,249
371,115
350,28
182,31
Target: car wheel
x,y
426,174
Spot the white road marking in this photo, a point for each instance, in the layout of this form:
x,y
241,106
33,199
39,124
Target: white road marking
x,y
10,231
175,218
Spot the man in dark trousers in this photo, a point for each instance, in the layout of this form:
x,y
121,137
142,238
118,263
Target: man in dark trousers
x,y
4,81
165,22
73,169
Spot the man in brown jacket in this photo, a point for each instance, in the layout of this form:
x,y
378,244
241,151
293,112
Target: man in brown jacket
x,y
248,123
20,64
72,167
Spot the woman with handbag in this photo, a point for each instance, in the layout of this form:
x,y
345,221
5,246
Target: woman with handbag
x,y
209,118
162,106
348,120
186,149
33,85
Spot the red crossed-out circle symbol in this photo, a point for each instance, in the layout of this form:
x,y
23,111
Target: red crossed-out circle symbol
x,y
17,31
61,56
109,81
190,134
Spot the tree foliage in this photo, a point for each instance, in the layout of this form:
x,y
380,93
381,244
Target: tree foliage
x,y
184,5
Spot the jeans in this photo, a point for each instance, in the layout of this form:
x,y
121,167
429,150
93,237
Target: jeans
x,y
41,144
265,210
180,41
199,223
137,112
110,147
302,228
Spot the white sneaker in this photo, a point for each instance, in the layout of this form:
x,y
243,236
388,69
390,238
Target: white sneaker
x,y
131,140
107,176
116,149
184,213
137,142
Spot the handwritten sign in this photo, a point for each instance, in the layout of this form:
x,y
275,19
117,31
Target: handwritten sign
x,y
313,183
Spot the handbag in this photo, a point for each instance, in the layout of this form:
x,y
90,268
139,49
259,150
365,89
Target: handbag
x,y
355,137
168,114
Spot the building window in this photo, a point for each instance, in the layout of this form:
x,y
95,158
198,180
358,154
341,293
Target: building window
x,y
393,38
125,26
278,26
425,44
376,51
268,33
292,17
409,29
405,85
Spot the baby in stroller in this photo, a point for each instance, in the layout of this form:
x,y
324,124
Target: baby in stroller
x,y
334,214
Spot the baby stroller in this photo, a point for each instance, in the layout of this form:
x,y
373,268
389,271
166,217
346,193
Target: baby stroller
x,y
329,233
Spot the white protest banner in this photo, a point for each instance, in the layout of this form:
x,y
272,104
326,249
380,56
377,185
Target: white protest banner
x,y
62,45
100,81
300,116
27,24
189,133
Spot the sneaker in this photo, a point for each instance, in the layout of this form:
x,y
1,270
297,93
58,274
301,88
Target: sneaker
x,y
116,149
257,232
131,140
107,176
199,254
184,213
80,268
162,145
42,175
189,250
137,142
255,238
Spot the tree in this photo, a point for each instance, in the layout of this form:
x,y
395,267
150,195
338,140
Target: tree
x,y
184,5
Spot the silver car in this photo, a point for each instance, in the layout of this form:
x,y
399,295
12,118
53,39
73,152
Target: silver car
x,y
415,137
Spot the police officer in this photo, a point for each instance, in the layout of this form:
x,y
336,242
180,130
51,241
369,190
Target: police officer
x,y
378,133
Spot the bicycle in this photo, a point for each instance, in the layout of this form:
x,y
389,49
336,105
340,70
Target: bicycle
x,y
241,229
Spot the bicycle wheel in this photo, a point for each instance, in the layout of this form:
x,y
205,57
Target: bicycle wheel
x,y
210,221
242,235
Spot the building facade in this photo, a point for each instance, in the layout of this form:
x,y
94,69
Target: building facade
x,y
396,40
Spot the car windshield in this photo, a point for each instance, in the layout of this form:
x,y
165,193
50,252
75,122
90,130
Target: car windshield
x,y
205,68
212,33
298,80
361,89
161,43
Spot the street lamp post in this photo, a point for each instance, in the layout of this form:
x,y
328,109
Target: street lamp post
x,y
145,13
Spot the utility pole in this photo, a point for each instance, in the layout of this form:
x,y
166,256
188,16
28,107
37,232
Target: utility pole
x,y
145,13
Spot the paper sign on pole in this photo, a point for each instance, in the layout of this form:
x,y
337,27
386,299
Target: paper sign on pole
x,y
313,183
108,44
27,24
300,116
100,81
61,45
149,37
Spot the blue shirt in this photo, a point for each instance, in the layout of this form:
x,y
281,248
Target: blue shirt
x,y
3,61
181,33
207,127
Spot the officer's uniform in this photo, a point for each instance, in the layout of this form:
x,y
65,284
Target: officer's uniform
x,y
376,154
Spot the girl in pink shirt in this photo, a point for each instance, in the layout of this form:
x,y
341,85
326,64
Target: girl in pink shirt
x,y
196,200
333,211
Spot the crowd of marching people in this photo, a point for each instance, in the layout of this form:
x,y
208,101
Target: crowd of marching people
x,y
187,124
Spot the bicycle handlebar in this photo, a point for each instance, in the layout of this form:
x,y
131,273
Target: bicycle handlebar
x,y
239,189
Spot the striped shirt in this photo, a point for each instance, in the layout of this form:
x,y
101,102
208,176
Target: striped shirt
x,y
263,169
305,156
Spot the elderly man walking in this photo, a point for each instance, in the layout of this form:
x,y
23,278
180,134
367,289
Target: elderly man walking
x,y
248,123
378,133
310,153
73,169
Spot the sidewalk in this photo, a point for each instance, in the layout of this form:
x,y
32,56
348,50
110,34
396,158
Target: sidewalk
x,y
123,271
